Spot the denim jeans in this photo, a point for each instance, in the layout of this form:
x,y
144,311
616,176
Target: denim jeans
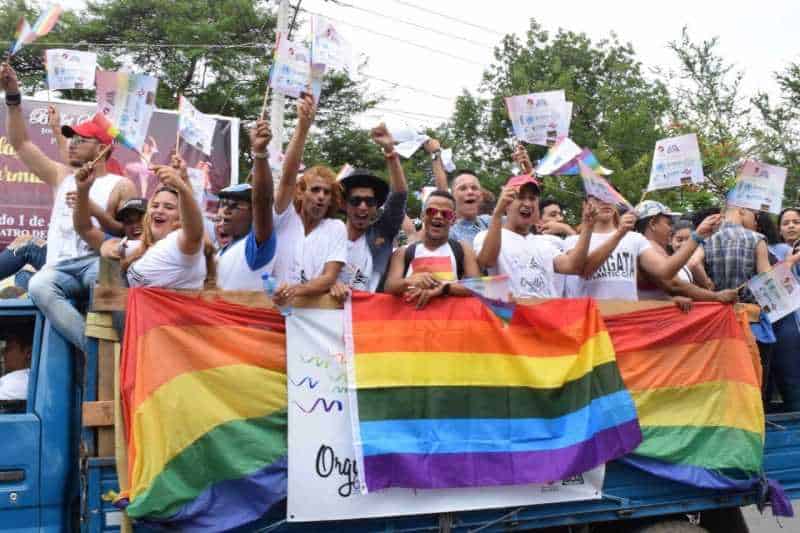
x,y
786,361
14,258
54,288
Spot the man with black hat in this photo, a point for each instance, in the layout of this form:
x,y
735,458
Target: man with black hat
x,y
70,268
246,216
369,244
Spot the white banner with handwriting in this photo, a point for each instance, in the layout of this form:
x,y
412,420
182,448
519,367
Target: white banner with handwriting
x,y
323,476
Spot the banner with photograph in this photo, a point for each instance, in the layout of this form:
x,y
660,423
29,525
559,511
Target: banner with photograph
x,y
128,101
759,186
70,69
676,162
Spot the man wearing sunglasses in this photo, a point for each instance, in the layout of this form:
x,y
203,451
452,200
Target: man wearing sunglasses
x,y
427,269
369,239
246,216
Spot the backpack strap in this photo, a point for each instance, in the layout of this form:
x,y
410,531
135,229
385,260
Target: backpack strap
x,y
458,253
408,257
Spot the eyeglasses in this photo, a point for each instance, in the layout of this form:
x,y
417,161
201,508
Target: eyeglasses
x,y
233,205
356,201
447,214
78,140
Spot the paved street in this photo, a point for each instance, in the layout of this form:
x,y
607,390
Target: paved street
x,y
769,524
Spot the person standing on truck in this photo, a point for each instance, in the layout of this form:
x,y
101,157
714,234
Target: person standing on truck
x,y
312,244
17,363
369,236
427,269
70,267
246,212
531,261
616,254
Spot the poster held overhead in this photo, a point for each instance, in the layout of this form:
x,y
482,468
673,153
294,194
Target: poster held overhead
x,y
70,69
600,188
196,128
561,154
128,102
776,291
539,118
759,186
329,48
676,162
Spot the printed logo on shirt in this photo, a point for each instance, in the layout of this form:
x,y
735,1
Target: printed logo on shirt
x,y
620,265
533,278
303,278
356,278
440,267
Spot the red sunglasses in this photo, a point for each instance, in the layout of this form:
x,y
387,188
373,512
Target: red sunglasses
x,y
447,214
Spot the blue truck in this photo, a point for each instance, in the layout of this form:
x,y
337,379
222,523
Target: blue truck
x,y
53,478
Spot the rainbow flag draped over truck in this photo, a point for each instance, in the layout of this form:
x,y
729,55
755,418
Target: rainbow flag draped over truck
x,y
204,402
450,396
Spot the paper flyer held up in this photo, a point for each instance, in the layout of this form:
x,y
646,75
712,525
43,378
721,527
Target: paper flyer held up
x,y
70,69
196,128
776,291
540,118
676,162
127,100
759,186
329,47
600,188
291,71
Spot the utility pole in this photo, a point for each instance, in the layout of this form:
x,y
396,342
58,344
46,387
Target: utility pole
x,y
278,100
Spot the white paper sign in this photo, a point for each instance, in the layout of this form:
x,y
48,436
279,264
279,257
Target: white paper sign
x,y
323,476
676,162
196,128
540,118
559,155
598,186
776,291
70,69
759,186
329,48
128,101
291,71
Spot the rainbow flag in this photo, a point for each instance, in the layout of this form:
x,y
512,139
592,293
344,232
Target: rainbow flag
x,y
25,34
204,400
587,158
493,291
448,397
695,380
440,267
113,131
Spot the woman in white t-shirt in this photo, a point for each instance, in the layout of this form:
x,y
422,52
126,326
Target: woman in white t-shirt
x,y
172,252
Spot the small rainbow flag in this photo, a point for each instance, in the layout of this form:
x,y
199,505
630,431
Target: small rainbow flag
x,y
205,408
493,291
113,131
446,396
25,34
587,158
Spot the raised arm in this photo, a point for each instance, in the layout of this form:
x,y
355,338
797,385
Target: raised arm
x,y
598,256
666,268
81,213
294,153
433,148
54,121
574,260
190,240
490,248
383,138
262,191
46,169
521,157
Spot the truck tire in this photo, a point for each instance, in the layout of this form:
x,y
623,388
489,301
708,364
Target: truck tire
x,y
672,526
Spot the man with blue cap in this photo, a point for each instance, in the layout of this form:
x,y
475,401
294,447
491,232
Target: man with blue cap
x,y
246,215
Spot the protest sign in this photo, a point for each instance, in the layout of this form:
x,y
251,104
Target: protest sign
x,y
540,118
676,162
408,139
559,155
26,201
291,70
196,128
598,186
321,451
759,186
776,291
127,100
70,69
328,47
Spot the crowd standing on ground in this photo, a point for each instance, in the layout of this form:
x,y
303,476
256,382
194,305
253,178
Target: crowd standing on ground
x,y
320,233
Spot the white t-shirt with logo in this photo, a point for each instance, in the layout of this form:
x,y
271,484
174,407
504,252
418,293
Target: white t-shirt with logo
x,y
241,264
14,385
528,262
357,272
616,278
300,257
164,265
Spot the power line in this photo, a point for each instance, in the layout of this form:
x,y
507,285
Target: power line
x,y
395,38
413,24
409,87
149,45
410,113
449,17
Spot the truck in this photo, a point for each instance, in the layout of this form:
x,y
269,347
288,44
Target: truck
x,y
57,464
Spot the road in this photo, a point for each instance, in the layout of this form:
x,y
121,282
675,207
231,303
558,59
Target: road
x,y
767,523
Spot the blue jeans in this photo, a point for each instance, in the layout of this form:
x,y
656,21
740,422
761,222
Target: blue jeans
x,y
786,361
33,252
53,288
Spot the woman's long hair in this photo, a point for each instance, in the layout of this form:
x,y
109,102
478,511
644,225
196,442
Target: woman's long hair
x,y
320,171
148,240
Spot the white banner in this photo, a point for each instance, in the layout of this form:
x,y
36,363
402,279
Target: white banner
x,y
676,162
128,101
70,69
776,291
540,118
323,475
196,128
759,186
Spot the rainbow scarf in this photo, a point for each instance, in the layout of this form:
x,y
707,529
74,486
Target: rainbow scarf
x,y
448,397
204,400
696,382
25,34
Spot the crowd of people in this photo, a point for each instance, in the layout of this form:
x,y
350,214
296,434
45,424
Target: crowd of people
x,y
319,233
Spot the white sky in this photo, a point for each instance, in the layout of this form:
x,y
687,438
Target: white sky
x,y
759,37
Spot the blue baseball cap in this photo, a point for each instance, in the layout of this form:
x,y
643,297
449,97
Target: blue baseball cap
x,y
240,191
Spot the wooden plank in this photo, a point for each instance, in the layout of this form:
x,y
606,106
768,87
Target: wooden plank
x,y
105,392
98,414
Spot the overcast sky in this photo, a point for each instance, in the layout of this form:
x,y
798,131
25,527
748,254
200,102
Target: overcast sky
x,y
759,37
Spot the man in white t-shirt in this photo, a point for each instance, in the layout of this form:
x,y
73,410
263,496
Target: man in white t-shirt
x,y
17,363
70,269
530,261
246,213
312,245
616,254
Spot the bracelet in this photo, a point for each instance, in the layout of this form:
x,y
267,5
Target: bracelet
x,y
13,99
697,238
436,154
259,155
391,155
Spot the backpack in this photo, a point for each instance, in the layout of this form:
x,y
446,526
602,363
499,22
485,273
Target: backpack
x,y
458,253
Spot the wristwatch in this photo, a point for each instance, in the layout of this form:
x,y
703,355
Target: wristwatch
x,y
436,154
259,155
13,99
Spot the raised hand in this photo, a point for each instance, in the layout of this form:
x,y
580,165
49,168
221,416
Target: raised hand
x,y
521,157
708,225
8,79
172,177
626,222
53,117
380,134
84,177
507,195
306,109
589,215
432,145
260,136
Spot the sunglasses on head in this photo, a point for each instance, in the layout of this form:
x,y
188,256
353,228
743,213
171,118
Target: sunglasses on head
x,y
355,201
447,214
